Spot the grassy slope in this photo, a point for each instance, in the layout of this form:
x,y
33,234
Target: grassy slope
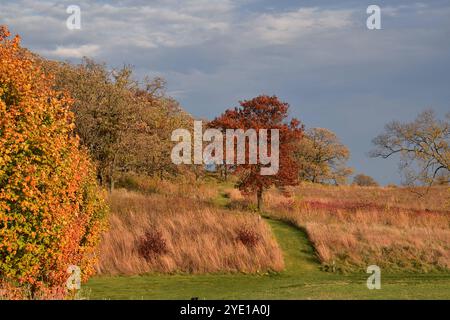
x,y
302,279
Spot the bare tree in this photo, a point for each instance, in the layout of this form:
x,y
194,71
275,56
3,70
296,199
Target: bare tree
x,y
423,146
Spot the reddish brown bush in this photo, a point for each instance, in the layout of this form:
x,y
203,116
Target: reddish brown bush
x,y
248,237
152,244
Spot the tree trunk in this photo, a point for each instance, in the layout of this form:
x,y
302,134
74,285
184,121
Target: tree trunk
x,y
111,176
111,184
100,178
259,194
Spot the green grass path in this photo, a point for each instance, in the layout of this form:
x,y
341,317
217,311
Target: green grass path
x,y
302,279
298,253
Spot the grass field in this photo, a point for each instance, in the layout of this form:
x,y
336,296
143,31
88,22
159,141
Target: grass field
x,y
156,233
353,227
302,279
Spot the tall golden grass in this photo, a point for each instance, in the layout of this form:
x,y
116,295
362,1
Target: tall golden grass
x,y
353,227
197,237
421,198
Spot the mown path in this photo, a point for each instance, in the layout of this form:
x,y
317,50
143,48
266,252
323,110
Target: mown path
x,y
298,253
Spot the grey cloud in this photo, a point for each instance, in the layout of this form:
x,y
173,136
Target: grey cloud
x,y
317,55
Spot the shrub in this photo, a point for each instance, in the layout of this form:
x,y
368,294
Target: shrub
x,y
363,180
248,236
152,244
51,213
140,183
392,185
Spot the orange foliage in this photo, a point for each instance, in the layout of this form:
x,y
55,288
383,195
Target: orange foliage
x,y
51,213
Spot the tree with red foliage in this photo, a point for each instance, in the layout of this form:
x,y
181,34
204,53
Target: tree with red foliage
x,y
264,112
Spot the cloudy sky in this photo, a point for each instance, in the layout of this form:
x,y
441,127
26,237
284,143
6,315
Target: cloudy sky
x,y
317,55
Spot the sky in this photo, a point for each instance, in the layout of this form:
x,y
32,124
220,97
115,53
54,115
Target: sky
x,y
319,56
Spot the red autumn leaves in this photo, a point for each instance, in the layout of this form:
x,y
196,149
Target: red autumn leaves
x,y
264,112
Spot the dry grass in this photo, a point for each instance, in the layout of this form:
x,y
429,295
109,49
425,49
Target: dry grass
x,y
179,230
434,198
353,227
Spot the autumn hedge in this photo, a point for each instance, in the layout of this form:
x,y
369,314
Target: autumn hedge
x,y
51,212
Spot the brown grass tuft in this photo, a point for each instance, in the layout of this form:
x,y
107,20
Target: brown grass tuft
x,y
152,244
248,236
